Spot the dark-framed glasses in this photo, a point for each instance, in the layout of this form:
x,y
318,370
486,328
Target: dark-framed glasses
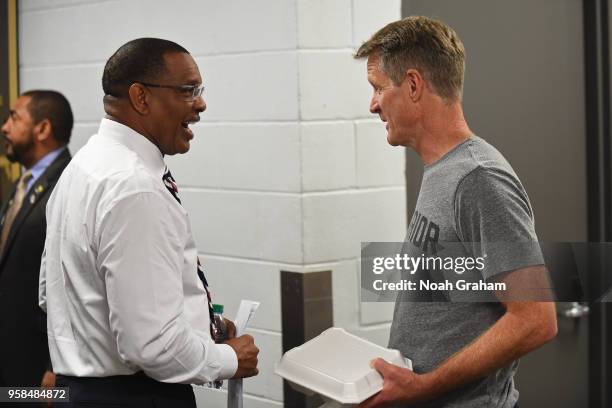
x,y
188,92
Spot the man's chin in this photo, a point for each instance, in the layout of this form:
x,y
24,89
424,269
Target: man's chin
x,y
180,149
391,140
184,148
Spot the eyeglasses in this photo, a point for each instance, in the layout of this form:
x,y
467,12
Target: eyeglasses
x,y
188,92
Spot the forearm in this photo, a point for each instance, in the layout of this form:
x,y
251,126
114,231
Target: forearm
x,y
524,327
179,355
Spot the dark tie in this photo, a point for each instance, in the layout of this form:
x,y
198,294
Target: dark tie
x,y
170,184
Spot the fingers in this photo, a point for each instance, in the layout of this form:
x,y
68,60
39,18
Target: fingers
x,y
246,352
250,373
231,328
381,366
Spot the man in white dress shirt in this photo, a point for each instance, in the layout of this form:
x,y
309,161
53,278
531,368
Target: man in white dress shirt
x,y
127,302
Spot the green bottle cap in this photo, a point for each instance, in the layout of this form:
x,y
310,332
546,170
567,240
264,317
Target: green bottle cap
x,y
218,309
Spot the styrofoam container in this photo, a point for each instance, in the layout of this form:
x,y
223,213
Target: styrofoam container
x,y
336,365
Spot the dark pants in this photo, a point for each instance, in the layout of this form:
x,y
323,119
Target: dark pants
x,y
123,391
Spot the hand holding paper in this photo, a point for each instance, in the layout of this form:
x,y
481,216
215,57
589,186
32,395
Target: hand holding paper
x,y
247,352
245,313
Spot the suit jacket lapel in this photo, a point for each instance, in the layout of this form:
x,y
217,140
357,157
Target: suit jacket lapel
x,y
38,189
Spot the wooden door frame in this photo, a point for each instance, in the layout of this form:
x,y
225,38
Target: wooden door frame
x,y
9,85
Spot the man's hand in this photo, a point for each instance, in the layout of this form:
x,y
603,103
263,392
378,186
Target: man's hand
x,y
400,386
231,328
48,381
247,352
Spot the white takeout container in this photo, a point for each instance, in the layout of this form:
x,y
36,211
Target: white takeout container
x,y
336,365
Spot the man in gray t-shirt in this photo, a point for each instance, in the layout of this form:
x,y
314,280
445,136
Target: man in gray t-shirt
x,y
464,352
469,195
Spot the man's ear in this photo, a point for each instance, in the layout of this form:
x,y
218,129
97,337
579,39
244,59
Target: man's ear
x,y
43,130
139,98
415,84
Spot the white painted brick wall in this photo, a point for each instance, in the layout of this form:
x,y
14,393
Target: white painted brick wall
x,y
324,23
332,85
255,156
375,313
80,134
82,85
336,223
328,156
251,87
237,279
378,334
28,5
246,225
329,227
369,17
204,27
379,163
288,170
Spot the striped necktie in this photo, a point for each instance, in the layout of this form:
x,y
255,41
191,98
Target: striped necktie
x,y
170,184
14,207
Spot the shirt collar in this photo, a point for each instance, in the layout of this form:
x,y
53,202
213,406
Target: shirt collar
x,y
39,168
138,143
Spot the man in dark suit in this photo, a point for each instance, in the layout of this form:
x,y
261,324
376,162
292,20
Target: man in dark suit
x,y
36,135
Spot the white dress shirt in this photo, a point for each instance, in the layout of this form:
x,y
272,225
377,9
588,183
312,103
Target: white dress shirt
x,y
118,277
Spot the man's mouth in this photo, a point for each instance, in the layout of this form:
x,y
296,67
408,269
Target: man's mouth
x,y
188,122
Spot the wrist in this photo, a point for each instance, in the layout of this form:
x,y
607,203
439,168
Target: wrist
x,y
430,384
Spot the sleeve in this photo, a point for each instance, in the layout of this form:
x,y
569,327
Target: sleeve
x,y
140,256
42,294
495,221
42,283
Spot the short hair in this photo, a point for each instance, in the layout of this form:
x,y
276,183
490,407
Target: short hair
x,y
421,43
141,59
51,105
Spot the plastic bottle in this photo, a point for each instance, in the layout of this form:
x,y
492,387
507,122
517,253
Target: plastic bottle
x,y
219,334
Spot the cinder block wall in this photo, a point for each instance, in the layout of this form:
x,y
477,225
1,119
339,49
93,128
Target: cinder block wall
x,y
288,170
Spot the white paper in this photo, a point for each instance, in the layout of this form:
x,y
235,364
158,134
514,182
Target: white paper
x,y
243,317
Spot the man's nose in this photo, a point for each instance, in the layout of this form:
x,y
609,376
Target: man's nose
x,y
4,128
199,105
374,106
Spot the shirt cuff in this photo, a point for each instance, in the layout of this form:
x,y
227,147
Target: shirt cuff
x,y
228,360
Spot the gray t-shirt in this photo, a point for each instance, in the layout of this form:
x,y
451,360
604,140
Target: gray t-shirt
x,y
471,195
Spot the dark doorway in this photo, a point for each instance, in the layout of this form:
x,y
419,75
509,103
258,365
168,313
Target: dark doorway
x,y
526,93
